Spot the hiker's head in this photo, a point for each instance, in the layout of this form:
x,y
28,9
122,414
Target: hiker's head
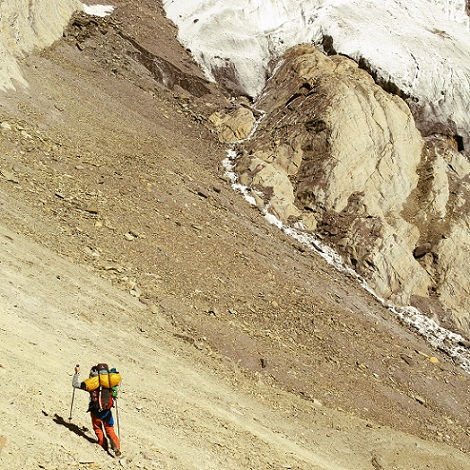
x,y
102,368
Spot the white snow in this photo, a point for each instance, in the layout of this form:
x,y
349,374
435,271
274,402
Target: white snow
x,y
422,46
98,10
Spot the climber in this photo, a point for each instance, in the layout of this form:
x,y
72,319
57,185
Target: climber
x,y
102,385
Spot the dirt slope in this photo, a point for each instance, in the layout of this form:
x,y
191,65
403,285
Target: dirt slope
x,y
176,410
123,241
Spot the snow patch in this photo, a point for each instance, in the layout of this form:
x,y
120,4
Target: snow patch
x,y
98,10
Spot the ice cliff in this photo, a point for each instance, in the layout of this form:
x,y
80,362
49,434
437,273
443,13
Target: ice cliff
x,y
419,49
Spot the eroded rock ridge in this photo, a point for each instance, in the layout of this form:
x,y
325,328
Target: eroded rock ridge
x,y
26,28
338,155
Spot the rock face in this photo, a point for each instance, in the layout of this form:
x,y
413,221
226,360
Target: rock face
x,y
27,28
342,157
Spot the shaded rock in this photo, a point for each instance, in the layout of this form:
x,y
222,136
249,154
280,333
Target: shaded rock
x,y
422,250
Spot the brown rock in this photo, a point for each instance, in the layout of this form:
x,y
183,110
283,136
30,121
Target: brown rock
x,y
234,126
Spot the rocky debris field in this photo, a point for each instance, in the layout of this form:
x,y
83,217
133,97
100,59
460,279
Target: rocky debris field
x,y
123,240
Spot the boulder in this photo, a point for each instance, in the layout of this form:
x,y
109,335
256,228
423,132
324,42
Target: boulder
x,y
234,125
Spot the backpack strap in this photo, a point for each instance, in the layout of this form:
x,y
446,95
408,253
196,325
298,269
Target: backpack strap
x,y
101,389
99,398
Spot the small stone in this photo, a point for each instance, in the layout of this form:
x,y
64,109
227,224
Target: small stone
x,y
91,251
203,194
135,292
407,359
91,209
113,267
108,224
26,135
422,353
213,311
10,177
378,463
420,399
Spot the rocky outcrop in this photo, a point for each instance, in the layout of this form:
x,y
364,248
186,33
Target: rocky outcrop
x,y
443,221
25,28
343,158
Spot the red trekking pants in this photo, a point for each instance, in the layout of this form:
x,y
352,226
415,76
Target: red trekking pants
x,y
98,425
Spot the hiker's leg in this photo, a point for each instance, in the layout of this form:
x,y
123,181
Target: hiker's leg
x,y
109,428
97,427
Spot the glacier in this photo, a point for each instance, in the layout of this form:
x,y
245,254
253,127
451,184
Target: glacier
x,y
419,49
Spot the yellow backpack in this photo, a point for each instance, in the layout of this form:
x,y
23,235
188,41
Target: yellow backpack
x,y
108,380
102,387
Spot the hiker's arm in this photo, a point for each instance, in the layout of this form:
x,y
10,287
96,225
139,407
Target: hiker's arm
x,y
76,379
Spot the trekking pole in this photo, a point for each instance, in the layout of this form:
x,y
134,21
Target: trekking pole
x,y
73,398
71,406
117,419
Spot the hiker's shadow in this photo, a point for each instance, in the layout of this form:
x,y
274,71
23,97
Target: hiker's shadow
x,y
79,431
